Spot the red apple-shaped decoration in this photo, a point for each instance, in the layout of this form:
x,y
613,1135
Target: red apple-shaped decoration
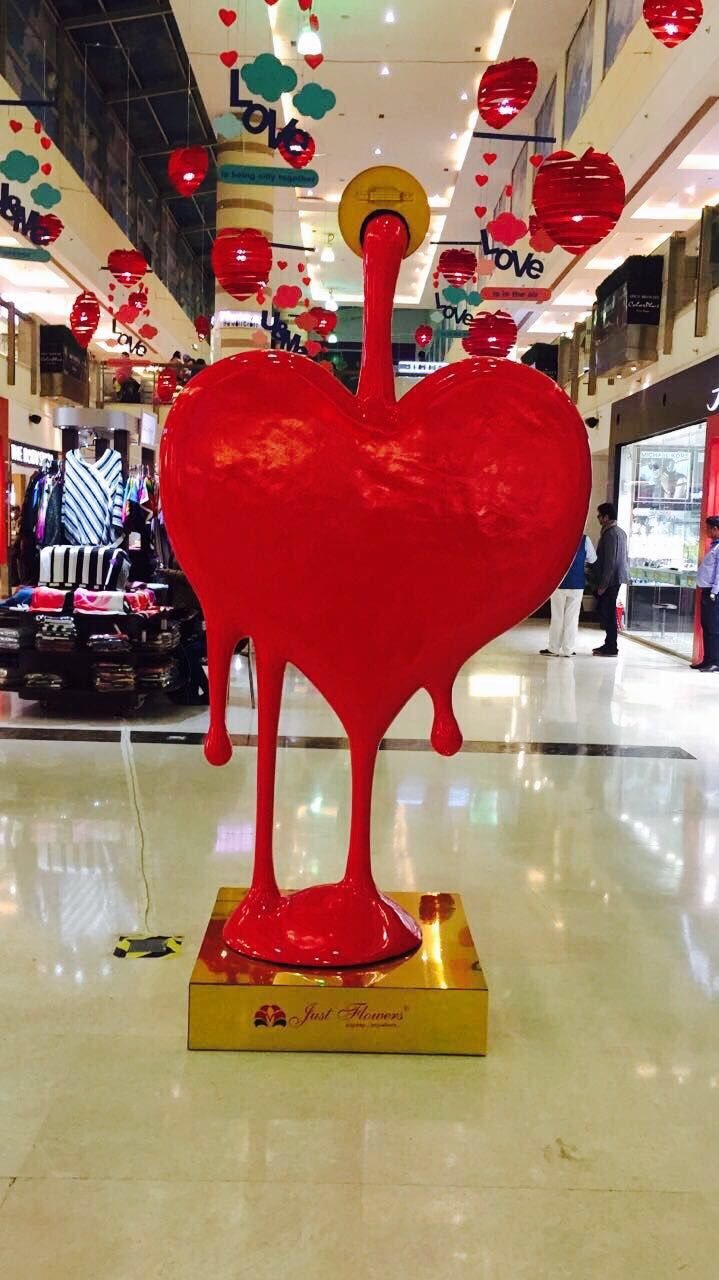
x,y
505,89
424,335
203,328
347,508
673,21
187,168
166,385
298,150
491,333
323,322
84,317
47,229
242,261
579,199
457,265
127,266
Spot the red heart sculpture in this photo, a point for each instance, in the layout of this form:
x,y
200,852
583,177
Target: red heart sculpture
x,y
16,126
579,199
489,157
46,169
355,508
481,179
45,143
229,57
227,16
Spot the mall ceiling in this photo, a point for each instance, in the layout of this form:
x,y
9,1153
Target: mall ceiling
x,y
135,54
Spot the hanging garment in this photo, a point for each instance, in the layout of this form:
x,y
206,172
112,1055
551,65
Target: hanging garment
x,y
52,533
92,498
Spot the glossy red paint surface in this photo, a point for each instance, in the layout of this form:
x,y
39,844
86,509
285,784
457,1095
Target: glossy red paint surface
x,y
361,515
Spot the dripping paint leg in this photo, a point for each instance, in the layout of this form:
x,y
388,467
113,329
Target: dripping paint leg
x,y
220,647
358,873
270,677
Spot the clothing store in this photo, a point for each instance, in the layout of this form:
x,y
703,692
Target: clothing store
x,y
91,610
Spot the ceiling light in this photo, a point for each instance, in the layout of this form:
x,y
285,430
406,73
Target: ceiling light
x,y
389,16
327,254
378,151
332,338
332,305
309,42
464,97
384,71
700,162
453,137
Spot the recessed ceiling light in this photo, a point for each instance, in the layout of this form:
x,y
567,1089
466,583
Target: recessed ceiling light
x,y
384,71
464,96
453,137
378,151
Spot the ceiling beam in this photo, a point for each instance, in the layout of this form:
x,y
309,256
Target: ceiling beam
x,y
127,15
119,100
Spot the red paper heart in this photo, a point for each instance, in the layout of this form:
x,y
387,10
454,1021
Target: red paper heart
x,y
46,169
16,126
306,280
282,265
227,16
305,5
481,179
37,127
508,189
347,508
536,160
314,60
300,267
489,157
45,143
229,57
480,210
313,348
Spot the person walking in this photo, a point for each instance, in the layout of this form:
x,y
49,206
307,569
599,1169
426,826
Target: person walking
x,y
566,603
708,585
612,573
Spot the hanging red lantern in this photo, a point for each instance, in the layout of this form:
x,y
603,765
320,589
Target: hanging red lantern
x,y
673,21
187,168
457,265
424,335
579,199
84,317
203,328
505,89
298,150
47,228
127,266
138,299
166,385
491,333
323,322
242,261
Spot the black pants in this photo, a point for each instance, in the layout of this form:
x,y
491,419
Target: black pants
x,y
710,628
607,614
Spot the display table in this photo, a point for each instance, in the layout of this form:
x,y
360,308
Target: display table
x,y
434,1001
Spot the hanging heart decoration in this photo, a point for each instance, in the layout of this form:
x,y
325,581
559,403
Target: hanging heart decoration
x,y
48,228
480,210
227,16
481,179
203,328
229,57
298,150
127,266
313,348
241,261
489,157
16,126
505,89
84,317
138,300
305,5
324,322
457,265
288,295
306,280
536,161
282,266
37,127
673,21
148,332
187,168
314,60
45,143
579,199
491,333
508,190
166,385
424,335
46,169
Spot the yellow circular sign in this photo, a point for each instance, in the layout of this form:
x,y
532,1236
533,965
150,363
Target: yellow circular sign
x,y
383,189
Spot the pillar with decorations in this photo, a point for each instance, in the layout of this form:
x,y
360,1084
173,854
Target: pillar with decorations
x,y
240,207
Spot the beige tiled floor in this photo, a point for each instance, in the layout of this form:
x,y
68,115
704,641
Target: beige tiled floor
x,y
583,1147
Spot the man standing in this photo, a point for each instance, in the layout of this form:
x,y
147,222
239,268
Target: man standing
x,y
708,584
566,603
612,572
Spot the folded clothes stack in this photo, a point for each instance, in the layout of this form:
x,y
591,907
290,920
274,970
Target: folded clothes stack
x,y
163,641
49,680
113,677
109,642
50,600
99,601
158,675
56,635
15,638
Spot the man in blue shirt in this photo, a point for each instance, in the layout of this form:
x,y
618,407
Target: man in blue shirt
x,y
566,603
708,584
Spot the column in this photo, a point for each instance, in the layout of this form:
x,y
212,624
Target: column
x,y
238,206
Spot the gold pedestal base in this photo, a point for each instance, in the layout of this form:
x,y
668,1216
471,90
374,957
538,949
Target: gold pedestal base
x,y
434,1001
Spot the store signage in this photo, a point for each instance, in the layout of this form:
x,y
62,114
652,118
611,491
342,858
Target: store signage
x,y
516,295
257,175
23,223
18,253
148,430
508,259
238,319
136,347
257,118
280,337
25,455
453,312
418,368
713,405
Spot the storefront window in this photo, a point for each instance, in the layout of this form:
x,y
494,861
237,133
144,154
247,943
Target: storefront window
x,y
660,496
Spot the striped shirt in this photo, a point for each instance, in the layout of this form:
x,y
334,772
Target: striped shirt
x,y
92,498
